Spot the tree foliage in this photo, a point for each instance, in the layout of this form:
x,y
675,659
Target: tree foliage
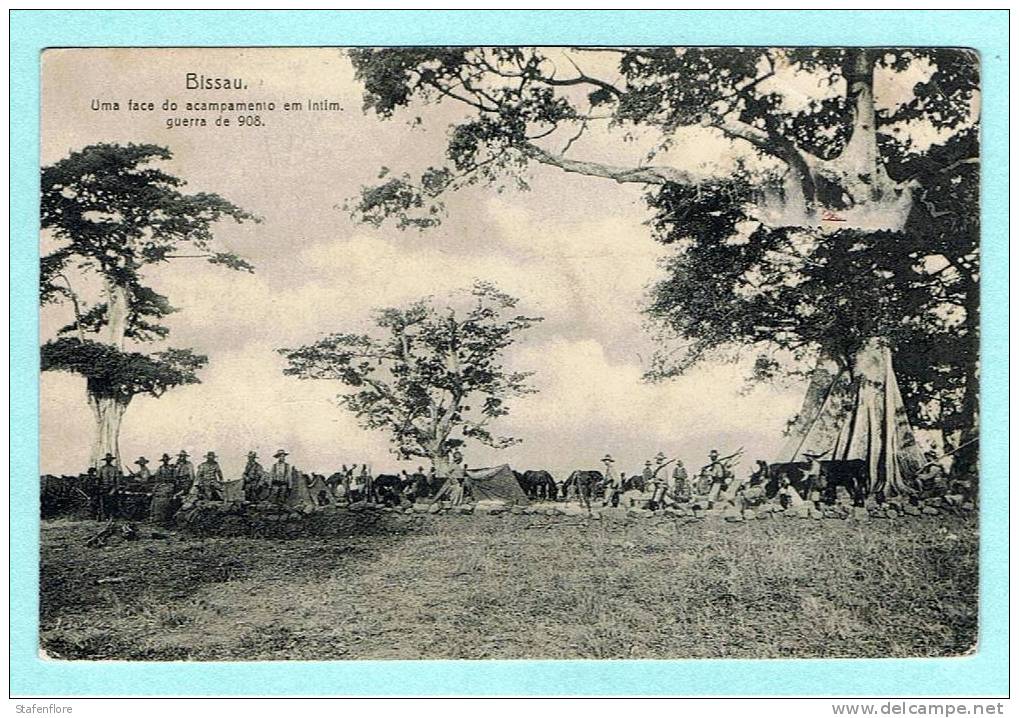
x,y
849,218
432,377
111,214
122,375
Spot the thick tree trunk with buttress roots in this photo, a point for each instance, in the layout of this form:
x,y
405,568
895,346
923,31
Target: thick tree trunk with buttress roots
x,y
856,413
108,413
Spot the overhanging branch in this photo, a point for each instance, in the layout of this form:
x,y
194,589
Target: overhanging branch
x,y
640,175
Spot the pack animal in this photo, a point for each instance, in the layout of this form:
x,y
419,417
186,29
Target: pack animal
x,y
538,484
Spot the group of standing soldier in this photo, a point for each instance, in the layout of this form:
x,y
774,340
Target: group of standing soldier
x,y
112,491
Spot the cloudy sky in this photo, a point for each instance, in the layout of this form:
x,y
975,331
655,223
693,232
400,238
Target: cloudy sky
x,y
574,249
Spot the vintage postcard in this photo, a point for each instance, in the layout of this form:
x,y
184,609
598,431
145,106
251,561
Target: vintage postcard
x,y
599,352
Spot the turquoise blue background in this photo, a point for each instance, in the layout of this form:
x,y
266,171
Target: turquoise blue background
x,y
984,673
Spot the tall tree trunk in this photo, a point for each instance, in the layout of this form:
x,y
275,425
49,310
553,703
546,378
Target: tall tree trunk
x,y
117,308
438,452
853,189
859,159
108,413
853,412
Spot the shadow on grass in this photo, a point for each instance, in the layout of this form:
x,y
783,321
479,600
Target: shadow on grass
x,y
120,600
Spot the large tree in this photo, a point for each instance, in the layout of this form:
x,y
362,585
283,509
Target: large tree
x,y
845,218
431,377
110,212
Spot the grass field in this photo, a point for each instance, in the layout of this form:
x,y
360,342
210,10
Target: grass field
x,y
395,586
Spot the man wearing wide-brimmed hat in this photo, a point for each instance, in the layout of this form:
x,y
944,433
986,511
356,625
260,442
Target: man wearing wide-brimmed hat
x,y
209,479
164,505
165,471
142,474
183,473
659,480
256,488
108,483
613,484
717,474
281,478
680,483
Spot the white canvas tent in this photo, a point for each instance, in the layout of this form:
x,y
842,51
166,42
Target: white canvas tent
x,y
858,414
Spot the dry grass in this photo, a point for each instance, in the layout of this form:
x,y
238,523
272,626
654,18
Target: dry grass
x,y
520,587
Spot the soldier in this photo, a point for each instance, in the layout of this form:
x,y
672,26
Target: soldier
x,y
253,479
434,481
281,478
458,472
356,486
183,474
788,496
680,483
659,481
108,479
367,483
716,474
142,474
90,486
164,504
453,489
613,485
422,488
166,471
209,479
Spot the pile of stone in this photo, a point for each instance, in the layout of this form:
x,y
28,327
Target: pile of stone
x,y
891,509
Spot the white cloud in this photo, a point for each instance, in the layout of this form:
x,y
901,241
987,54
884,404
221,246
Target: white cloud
x,y
574,249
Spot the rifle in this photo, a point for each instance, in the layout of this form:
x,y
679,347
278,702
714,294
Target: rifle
x,y
661,466
722,460
947,453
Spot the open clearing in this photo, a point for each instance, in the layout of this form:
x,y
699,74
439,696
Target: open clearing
x,y
387,586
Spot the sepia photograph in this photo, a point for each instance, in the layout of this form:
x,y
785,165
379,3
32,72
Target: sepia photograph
x,y
509,352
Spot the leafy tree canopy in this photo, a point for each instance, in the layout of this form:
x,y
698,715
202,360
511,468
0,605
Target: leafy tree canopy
x,y
113,213
115,374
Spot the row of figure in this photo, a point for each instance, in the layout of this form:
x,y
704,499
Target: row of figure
x,y
713,480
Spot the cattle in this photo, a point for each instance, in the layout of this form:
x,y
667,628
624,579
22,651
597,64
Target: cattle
x,y
851,475
537,484
824,477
